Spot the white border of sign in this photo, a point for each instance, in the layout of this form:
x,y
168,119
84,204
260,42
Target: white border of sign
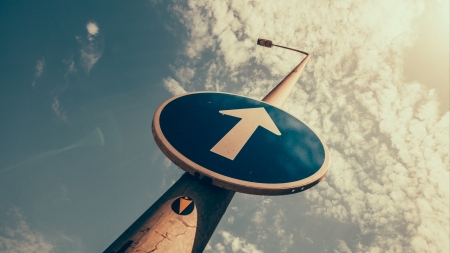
x,y
228,182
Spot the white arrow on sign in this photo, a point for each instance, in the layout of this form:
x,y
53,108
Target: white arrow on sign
x,y
232,143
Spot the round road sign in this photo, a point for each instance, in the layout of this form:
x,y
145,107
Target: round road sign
x,y
239,143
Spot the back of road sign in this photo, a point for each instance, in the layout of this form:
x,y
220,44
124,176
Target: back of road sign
x,y
239,143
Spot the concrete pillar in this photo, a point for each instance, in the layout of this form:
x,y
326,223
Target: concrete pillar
x,y
176,225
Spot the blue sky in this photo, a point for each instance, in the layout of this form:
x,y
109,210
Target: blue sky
x,y
81,81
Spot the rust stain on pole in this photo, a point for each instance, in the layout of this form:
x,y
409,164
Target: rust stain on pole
x,y
279,95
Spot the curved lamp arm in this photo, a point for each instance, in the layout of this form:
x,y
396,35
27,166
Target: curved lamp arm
x,y
279,95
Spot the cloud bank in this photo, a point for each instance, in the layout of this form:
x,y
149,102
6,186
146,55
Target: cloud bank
x,y
389,146
19,238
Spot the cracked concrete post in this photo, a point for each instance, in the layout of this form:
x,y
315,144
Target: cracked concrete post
x,y
161,229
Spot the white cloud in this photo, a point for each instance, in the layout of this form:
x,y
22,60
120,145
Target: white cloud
x,y
56,106
91,50
342,247
92,28
19,238
260,216
70,65
173,86
167,162
90,56
219,247
389,146
184,74
39,69
58,110
268,213
278,228
236,244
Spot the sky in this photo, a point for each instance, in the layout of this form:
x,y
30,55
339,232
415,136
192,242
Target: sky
x,y
81,80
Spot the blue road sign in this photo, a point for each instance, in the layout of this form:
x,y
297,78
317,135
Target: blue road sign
x,y
240,143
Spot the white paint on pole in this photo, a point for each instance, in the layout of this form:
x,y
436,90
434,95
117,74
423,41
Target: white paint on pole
x,y
232,143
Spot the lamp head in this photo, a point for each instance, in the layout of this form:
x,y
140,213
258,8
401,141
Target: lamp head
x,y
264,43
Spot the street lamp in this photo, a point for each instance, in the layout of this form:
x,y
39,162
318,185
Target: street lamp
x,y
279,95
269,43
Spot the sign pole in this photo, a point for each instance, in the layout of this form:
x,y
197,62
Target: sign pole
x,y
184,218
279,95
163,228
